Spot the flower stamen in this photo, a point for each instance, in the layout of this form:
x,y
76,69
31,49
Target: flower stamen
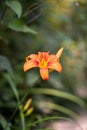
x,y
43,64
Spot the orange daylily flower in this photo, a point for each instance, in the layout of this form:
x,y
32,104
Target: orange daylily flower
x,y
44,61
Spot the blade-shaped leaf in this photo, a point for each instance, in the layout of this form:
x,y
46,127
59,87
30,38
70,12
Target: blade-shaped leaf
x,y
5,65
53,118
57,107
4,123
12,85
57,93
15,6
19,26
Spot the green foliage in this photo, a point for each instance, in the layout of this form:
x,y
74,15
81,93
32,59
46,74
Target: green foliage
x,y
55,24
58,94
19,26
10,81
5,65
4,123
15,6
16,24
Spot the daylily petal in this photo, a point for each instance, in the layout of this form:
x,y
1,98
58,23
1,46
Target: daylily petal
x,y
44,55
32,56
52,58
55,66
30,64
44,74
59,53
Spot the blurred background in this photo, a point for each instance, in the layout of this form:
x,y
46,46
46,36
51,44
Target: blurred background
x,y
27,27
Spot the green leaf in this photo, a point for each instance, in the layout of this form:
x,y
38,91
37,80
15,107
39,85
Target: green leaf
x,y
15,6
5,65
12,85
58,93
19,26
4,123
57,107
53,118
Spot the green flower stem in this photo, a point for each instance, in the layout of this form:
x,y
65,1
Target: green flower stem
x,y
22,118
13,87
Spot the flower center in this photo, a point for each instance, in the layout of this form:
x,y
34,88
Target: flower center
x,y
43,64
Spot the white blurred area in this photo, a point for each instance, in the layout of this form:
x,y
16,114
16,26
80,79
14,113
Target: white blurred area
x,y
79,124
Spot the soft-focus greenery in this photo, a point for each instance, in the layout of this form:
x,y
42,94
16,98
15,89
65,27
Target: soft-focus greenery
x,y
27,27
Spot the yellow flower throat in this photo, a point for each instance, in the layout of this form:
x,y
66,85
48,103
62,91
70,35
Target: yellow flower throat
x,y
43,63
